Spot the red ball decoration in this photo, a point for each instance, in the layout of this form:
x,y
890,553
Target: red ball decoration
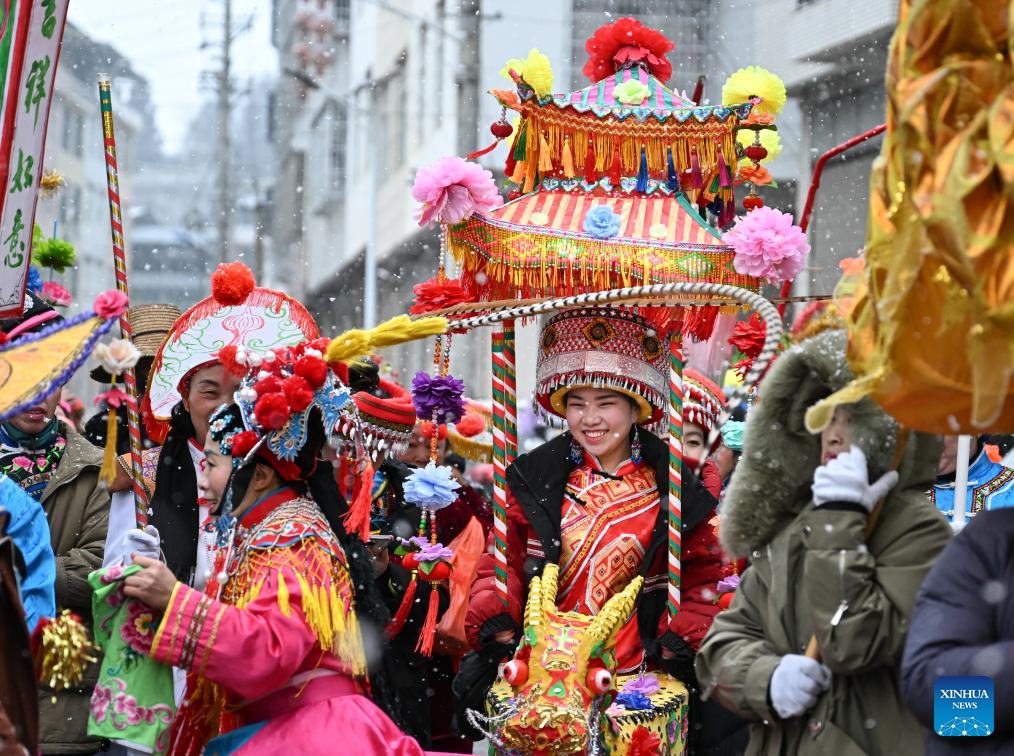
x,y
755,152
269,385
501,129
440,571
752,202
313,369
227,356
243,442
231,283
297,392
410,561
272,411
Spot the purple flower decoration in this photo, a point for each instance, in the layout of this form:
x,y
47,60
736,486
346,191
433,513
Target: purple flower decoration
x,y
431,487
433,552
416,543
729,584
439,394
634,701
645,685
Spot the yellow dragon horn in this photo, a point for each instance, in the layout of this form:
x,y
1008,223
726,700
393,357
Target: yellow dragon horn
x,y
533,609
615,612
550,580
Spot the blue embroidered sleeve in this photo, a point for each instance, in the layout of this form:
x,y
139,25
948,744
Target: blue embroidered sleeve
x,y
29,530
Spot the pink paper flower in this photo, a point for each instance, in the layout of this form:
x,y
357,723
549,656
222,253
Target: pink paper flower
x,y
114,397
110,304
56,295
768,245
452,189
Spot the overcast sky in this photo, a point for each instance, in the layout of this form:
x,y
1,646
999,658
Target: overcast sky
x,y
163,39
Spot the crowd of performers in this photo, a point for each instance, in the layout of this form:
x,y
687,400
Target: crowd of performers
x,y
256,621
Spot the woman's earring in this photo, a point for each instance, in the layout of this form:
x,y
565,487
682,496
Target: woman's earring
x,y
576,452
635,447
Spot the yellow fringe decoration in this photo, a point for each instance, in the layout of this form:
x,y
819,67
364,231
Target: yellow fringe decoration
x,y
567,159
283,595
398,330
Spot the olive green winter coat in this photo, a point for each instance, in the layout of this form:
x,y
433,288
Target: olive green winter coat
x,y
812,571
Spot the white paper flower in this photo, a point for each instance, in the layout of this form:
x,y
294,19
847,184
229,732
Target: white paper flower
x,y
117,356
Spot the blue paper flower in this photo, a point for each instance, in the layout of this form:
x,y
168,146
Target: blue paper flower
x,y
634,701
34,279
602,222
431,487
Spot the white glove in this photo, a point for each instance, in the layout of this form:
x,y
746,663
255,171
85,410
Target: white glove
x,y
142,542
796,683
845,478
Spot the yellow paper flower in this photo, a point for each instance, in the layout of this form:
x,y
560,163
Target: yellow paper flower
x,y
754,81
534,69
769,140
631,92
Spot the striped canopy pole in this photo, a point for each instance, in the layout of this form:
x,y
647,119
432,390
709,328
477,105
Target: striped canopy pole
x,y
675,471
120,264
510,393
499,467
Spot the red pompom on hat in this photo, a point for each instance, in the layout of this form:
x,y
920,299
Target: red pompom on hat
x,y
472,424
297,392
231,283
627,41
312,369
269,385
227,356
272,411
243,442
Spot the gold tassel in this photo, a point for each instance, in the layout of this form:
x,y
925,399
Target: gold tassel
x,y
107,472
283,595
545,158
568,159
62,650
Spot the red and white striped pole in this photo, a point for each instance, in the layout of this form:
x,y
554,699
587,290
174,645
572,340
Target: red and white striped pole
x,y
510,393
120,263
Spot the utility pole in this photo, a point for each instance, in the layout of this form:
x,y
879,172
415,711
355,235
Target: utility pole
x,y
224,142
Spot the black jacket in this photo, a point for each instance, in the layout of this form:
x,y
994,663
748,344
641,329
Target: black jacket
x,y
963,625
538,481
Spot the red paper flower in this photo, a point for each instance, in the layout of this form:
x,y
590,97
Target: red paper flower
x,y
243,442
432,295
272,411
297,392
313,369
627,41
748,336
231,283
643,742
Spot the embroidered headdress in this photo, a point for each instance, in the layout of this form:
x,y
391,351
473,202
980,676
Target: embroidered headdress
x,y
703,400
237,313
605,348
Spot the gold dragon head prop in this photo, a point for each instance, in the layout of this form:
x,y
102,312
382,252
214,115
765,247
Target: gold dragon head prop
x,y
562,673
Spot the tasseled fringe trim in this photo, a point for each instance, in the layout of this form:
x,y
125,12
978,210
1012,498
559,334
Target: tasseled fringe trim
x,y
699,151
428,633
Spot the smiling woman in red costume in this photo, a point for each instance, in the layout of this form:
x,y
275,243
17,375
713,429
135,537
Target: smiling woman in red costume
x,y
590,499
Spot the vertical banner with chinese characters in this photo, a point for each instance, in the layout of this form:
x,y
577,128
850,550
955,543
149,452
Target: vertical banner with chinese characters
x,y
30,36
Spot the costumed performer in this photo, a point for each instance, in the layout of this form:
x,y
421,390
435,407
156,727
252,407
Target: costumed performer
x,y
26,525
273,649
55,465
590,501
799,507
990,483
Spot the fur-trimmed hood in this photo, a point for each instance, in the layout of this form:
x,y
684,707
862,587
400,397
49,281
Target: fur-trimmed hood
x,y
771,485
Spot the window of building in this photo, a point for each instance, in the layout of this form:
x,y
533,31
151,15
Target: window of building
x,y
336,153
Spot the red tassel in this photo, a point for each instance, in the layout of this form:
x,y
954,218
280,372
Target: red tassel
x,y
696,178
484,150
357,519
723,171
589,163
699,323
616,171
429,629
401,616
